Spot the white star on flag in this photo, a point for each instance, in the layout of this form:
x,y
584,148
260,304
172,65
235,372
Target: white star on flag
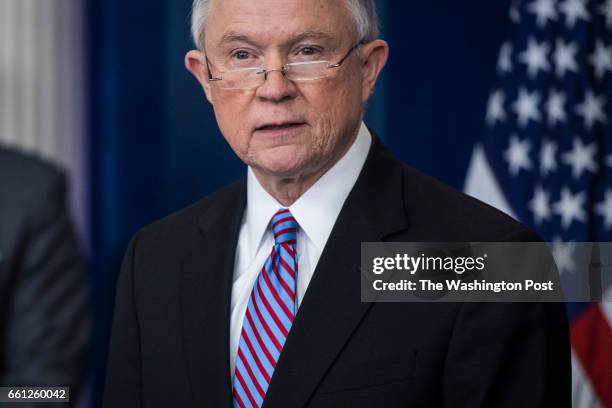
x,y
495,109
601,59
544,10
563,253
604,209
555,107
606,10
569,208
526,107
504,62
581,158
548,162
592,109
540,205
535,57
573,10
517,155
565,58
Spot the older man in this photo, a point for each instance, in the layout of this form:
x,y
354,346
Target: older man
x,y
251,296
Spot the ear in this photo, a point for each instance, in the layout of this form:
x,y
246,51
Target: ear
x,y
374,56
195,62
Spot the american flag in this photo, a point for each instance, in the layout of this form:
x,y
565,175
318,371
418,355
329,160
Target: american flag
x,y
546,157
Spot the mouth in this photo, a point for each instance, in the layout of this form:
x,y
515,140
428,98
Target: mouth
x,y
279,129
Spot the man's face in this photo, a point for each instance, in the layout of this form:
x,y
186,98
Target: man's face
x,y
285,128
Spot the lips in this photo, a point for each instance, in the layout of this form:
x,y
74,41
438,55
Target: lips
x,y
278,126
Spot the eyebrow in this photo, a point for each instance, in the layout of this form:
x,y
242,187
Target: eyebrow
x,y
234,36
312,34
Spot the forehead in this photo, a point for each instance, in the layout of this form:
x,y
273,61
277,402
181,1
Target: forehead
x,y
277,20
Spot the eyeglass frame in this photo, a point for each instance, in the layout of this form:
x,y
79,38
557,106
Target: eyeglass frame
x,y
283,69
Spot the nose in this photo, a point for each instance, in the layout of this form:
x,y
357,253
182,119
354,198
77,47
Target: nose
x,y
277,87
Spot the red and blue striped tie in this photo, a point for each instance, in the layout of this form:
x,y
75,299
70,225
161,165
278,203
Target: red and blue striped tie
x,y
268,317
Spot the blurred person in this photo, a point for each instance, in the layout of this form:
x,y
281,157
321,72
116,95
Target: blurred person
x,y
251,296
44,292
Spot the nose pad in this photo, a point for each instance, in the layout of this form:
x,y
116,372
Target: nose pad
x,y
281,71
276,89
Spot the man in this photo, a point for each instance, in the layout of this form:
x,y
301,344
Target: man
x,y
251,296
44,296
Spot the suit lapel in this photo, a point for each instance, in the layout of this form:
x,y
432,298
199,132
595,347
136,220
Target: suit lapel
x,y
331,309
206,284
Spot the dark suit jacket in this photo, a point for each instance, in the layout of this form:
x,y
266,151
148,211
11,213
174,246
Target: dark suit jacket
x,y
170,339
44,296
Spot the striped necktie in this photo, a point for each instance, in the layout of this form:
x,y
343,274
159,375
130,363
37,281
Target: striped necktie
x,y
268,317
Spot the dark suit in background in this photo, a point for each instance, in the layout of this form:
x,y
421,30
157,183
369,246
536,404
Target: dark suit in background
x,y
170,340
44,294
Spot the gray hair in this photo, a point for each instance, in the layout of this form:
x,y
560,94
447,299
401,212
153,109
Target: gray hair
x,y
363,11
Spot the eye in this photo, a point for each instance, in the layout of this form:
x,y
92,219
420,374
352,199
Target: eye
x,y
308,51
241,55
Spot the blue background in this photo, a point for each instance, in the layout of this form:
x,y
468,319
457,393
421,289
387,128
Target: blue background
x,y
156,147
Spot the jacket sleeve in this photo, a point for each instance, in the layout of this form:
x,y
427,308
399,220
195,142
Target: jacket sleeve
x,y
123,376
48,323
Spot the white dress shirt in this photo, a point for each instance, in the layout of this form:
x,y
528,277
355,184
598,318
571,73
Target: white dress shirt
x,y
315,212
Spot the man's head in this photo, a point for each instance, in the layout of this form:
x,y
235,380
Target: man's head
x,y
363,13
283,125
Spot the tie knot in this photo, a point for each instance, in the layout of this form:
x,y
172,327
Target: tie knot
x,y
284,227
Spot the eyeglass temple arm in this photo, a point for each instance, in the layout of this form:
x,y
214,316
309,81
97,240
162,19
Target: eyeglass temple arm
x,y
210,77
353,48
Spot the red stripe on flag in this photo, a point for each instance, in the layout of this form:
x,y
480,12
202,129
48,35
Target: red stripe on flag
x,y
592,343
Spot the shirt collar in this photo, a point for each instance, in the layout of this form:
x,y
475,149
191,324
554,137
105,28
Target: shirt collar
x,y
317,209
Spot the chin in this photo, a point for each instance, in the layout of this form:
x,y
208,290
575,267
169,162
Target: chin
x,y
283,164
280,170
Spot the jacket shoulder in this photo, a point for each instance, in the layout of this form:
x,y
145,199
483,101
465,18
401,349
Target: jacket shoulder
x,y
438,210
33,190
34,174
174,226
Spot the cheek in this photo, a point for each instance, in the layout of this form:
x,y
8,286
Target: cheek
x,y
228,109
334,112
